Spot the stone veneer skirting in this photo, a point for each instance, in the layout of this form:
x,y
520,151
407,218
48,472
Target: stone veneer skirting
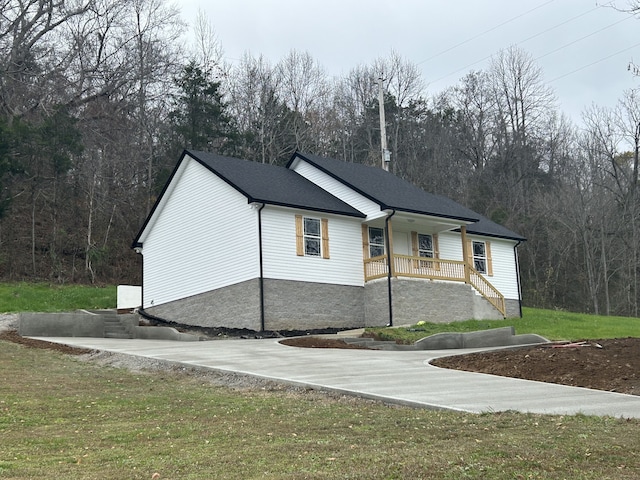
x,y
294,305
288,305
235,306
438,302
291,305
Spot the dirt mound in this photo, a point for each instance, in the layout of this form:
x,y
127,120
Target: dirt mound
x,y
612,364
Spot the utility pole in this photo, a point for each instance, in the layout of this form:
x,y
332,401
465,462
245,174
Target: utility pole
x,y
386,155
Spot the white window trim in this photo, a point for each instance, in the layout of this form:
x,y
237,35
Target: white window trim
x,y
429,253
376,245
310,236
482,258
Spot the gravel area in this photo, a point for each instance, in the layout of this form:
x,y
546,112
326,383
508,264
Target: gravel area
x,y
8,321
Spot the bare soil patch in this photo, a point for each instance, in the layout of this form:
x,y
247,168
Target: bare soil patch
x,y
12,336
320,342
612,365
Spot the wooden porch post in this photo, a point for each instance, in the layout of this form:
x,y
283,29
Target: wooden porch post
x,y
465,252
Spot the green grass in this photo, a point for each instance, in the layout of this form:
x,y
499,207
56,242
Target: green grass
x,y
551,324
62,418
44,297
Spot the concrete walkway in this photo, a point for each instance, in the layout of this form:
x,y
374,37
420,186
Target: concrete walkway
x,y
395,377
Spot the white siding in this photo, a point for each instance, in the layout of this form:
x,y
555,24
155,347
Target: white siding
x,y
344,267
205,237
504,276
338,189
450,245
504,266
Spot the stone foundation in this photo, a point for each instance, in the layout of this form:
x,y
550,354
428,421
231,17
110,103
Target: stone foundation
x,y
438,302
235,306
292,305
289,305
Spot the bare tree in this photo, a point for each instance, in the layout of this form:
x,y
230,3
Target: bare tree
x,y
524,103
305,90
357,136
476,110
33,55
260,114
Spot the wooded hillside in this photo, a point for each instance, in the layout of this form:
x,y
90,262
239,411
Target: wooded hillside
x,y
99,97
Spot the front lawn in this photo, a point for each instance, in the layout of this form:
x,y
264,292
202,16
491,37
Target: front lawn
x,y
551,324
64,418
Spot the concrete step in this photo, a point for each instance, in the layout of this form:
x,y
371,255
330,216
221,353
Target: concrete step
x,y
112,326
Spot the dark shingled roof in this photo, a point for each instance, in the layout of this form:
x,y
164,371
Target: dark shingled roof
x,y
489,228
394,193
389,191
273,185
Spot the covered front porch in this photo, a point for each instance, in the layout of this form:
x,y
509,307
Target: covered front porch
x,y
415,249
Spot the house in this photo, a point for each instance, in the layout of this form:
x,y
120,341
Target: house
x,y
319,243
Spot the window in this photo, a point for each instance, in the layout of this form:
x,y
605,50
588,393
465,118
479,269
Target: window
x,y
479,252
376,242
425,246
312,237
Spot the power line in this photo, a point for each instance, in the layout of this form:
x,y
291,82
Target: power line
x,y
537,35
485,32
582,38
559,25
594,63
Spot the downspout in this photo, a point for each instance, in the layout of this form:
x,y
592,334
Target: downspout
x,y
389,263
261,282
515,255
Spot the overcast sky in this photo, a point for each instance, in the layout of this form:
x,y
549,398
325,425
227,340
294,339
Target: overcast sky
x,y
582,46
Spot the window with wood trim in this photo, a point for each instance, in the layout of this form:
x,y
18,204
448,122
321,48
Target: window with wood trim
x,y
376,242
426,246
481,256
312,237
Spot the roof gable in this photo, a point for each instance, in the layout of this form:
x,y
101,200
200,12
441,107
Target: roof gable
x,y
273,185
393,193
260,183
389,191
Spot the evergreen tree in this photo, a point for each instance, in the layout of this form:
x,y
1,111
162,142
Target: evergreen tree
x,y
199,117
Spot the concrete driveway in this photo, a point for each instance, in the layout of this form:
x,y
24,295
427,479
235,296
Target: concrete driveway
x,y
403,377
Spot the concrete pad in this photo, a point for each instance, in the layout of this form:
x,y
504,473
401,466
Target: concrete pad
x,y
401,377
